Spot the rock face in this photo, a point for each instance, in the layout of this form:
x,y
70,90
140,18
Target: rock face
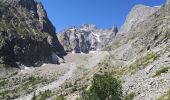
x,y
150,35
26,35
168,2
138,14
86,38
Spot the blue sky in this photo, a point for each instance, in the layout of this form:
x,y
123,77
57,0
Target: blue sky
x,y
103,13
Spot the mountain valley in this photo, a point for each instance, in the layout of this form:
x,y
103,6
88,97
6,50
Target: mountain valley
x,y
37,64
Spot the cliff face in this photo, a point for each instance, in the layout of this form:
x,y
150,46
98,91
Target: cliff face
x,y
86,38
27,37
138,14
146,34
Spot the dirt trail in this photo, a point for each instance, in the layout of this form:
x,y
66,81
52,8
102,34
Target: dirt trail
x,y
53,85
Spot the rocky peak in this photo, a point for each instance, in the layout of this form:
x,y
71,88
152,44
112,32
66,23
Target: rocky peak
x,y
168,2
86,38
88,27
114,29
138,14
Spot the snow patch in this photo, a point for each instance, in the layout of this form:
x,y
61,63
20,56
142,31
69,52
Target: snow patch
x,y
82,53
98,49
73,52
44,65
157,6
26,68
98,37
92,52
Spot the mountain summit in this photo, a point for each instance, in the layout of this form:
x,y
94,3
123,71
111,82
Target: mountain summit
x,y
86,38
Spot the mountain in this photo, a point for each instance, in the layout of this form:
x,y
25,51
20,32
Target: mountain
x,y
146,34
86,38
27,37
139,56
138,14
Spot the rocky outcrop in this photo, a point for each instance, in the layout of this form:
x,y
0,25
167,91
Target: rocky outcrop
x,y
86,38
168,2
138,14
27,37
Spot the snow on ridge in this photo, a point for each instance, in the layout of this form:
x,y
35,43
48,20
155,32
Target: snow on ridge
x,y
157,6
92,51
98,37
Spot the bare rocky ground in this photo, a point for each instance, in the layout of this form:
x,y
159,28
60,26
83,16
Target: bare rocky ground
x,y
71,77
31,81
152,81
146,76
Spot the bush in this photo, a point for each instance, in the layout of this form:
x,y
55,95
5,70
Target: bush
x,y
60,97
163,70
43,96
130,96
104,87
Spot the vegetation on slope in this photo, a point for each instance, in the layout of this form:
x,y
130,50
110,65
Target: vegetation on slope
x,y
162,70
104,87
130,96
137,65
165,97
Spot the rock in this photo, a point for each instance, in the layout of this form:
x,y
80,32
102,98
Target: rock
x,y
141,35
138,14
26,34
86,38
168,2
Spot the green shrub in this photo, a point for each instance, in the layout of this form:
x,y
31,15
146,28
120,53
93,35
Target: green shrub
x,y
60,97
130,96
167,47
163,70
104,87
168,94
43,96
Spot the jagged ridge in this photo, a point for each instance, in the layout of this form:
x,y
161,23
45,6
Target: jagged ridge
x,y
86,38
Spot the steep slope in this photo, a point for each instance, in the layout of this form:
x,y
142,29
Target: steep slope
x,y
27,37
138,14
86,38
146,35
141,57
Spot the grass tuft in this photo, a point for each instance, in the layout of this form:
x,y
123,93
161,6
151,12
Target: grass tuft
x,y
163,70
130,96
